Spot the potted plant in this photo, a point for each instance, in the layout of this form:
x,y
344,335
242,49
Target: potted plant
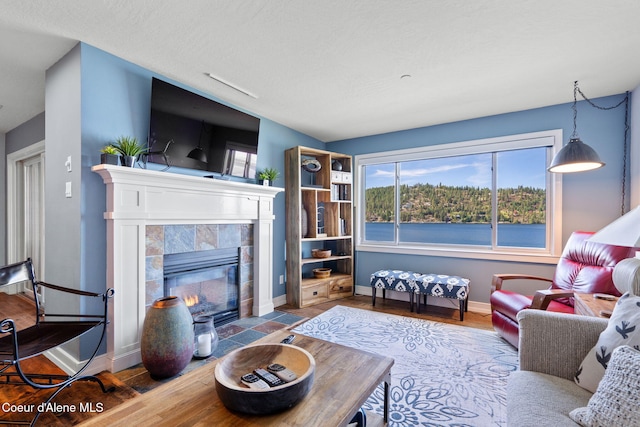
x,y
109,155
130,149
268,175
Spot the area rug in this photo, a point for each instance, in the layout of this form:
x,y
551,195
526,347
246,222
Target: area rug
x,y
443,375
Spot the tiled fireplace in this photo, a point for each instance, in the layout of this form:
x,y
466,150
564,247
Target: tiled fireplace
x,y
199,245
151,214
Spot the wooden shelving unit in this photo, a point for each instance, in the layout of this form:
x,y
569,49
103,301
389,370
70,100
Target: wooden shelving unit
x,y
324,198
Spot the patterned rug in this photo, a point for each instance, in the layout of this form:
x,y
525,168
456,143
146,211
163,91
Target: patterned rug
x,y
443,375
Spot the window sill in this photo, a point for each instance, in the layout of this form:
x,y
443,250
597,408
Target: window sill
x,y
463,252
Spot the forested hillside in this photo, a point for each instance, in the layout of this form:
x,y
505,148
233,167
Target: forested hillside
x,y
439,203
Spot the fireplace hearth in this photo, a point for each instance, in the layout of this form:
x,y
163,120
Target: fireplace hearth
x,y
208,282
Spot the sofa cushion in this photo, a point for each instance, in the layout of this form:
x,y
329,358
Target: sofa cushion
x,y
535,399
616,401
623,329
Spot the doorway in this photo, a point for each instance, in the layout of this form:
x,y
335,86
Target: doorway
x,y
25,207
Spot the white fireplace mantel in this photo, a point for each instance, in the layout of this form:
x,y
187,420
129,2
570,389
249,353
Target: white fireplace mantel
x,y
139,197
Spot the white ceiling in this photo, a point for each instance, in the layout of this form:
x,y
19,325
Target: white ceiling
x,y
332,68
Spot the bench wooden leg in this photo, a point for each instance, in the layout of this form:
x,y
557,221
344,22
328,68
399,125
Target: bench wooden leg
x,y
463,304
373,295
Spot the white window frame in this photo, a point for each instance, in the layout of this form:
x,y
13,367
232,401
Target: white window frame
x,y
548,255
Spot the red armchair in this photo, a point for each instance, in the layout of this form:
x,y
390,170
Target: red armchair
x,y
583,267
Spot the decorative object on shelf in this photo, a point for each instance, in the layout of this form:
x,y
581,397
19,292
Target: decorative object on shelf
x,y
321,253
109,155
238,397
205,337
320,225
150,154
167,339
311,165
130,149
321,273
304,222
577,156
268,175
336,165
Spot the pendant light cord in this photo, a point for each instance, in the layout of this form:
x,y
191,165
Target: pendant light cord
x,y
624,101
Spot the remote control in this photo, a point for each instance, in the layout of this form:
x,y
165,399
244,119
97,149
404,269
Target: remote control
x,y
606,297
253,381
288,340
268,377
286,375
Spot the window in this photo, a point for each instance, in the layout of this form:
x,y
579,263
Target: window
x,y
488,198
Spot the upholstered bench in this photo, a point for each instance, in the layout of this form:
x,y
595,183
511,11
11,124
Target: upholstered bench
x,y
395,280
437,285
444,286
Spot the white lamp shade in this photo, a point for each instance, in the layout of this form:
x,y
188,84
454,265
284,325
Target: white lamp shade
x,y
624,231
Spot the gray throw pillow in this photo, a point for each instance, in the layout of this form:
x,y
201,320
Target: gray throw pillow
x,y
616,401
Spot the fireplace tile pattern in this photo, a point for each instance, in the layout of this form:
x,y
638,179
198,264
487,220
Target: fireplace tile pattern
x,y
171,239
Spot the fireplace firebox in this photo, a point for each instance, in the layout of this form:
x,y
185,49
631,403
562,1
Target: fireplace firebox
x,y
208,282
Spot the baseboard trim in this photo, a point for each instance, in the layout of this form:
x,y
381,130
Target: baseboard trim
x,y
475,306
68,363
281,300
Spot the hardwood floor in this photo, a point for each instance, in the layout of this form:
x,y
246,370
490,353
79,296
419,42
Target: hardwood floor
x,y
400,308
87,393
18,307
139,379
136,378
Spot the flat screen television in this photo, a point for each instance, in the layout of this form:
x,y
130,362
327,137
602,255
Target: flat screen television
x,y
190,131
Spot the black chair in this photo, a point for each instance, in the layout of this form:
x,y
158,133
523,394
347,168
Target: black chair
x,y
49,331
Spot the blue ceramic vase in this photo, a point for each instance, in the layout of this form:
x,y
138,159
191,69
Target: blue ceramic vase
x,y
167,337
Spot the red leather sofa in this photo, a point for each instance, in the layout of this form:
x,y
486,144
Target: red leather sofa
x,y
583,267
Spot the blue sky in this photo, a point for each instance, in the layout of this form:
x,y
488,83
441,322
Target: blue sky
x,y
521,167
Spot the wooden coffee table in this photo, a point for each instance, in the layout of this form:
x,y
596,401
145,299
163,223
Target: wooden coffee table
x,y
344,379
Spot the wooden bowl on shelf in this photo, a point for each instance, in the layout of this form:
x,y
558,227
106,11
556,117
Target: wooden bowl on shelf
x,y
237,397
321,273
321,253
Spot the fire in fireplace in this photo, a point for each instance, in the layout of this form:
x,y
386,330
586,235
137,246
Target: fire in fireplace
x,y
208,282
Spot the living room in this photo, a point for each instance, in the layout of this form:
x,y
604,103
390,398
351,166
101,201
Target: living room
x,y
92,95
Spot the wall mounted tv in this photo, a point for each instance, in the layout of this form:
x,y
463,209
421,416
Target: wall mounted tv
x,y
190,131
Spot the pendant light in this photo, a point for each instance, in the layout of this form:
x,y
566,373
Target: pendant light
x,y
576,156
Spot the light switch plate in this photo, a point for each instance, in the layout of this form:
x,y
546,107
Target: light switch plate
x,y
67,189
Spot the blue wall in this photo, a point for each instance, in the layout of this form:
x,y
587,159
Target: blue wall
x,y
274,140
116,100
590,199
